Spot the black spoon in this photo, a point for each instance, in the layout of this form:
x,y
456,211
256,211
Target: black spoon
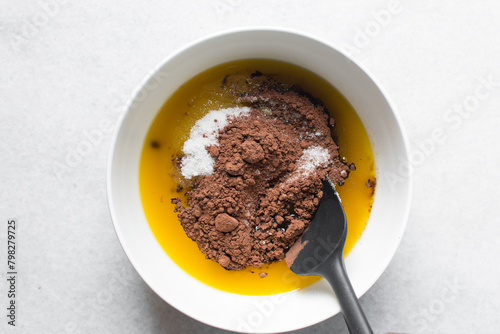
x,y
320,252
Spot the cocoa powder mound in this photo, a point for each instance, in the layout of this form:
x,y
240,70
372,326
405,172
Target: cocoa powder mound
x,y
267,179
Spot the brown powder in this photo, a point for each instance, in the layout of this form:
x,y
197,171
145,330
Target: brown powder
x,y
294,251
258,201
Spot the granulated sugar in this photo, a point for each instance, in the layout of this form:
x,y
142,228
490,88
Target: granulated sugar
x,y
313,157
197,161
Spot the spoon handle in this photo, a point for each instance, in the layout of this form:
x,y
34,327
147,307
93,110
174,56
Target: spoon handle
x,y
336,275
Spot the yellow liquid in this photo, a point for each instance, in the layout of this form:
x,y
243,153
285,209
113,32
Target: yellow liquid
x,y
171,128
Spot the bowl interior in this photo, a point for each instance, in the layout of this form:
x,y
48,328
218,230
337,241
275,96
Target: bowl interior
x,y
284,312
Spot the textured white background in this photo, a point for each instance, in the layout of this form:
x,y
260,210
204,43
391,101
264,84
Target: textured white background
x,y
68,67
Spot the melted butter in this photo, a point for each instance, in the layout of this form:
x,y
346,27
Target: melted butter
x,y
158,181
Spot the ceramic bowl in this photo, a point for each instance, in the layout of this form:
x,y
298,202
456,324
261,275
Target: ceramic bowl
x,y
292,310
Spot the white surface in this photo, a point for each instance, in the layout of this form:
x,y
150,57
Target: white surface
x,y
65,80
369,257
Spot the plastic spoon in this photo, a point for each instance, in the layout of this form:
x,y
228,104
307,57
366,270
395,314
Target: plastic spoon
x,y
320,252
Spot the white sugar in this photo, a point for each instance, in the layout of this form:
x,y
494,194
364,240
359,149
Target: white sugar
x,y
197,161
313,157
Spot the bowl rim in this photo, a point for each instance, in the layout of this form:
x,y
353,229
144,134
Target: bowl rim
x,y
263,29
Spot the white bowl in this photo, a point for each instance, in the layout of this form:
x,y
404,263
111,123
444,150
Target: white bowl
x,y
288,311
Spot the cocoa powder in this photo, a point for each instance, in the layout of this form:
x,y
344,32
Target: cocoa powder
x,y
263,192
